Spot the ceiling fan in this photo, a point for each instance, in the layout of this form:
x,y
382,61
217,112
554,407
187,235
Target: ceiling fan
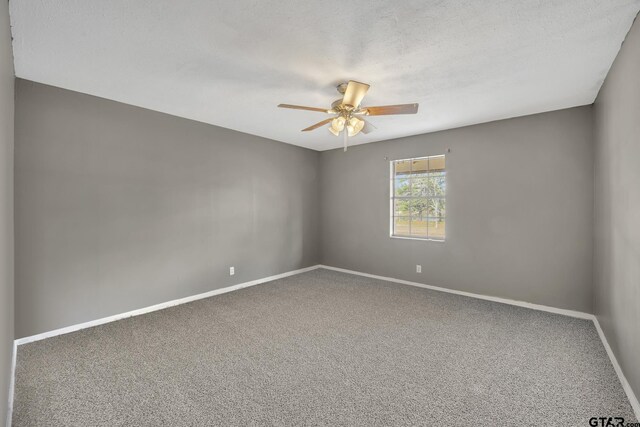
x,y
349,114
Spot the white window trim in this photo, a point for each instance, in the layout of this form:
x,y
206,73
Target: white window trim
x,y
391,198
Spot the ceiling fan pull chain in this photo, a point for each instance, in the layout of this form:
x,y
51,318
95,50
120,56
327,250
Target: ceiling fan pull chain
x,y
345,139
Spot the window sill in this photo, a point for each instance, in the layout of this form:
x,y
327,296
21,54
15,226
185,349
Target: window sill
x,y
417,238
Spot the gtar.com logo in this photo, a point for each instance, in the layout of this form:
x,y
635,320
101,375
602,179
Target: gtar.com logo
x,y
610,422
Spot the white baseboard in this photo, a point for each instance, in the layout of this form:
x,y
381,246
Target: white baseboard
x,y
581,315
571,313
614,361
157,307
132,313
12,382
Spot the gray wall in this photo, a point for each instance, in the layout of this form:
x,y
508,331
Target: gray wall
x,y
617,224
6,207
520,210
118,207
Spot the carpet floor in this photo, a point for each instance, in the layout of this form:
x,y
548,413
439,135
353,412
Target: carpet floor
x,y
323,348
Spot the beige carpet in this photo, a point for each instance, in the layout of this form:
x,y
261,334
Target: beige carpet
x,y
323,348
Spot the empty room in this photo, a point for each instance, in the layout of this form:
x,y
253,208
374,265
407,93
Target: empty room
x,y
339,213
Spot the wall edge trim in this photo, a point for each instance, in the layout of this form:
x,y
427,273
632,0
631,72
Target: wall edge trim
x,y
633,400
156,307
571,313
540,307
12,383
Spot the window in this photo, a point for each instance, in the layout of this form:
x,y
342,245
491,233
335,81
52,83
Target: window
x,y
418,198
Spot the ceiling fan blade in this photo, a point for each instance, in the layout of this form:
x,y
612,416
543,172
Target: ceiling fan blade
x,y
354,93
301,107
368,127
317,125
392,109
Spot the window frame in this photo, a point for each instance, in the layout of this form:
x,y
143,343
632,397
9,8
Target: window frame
x,y
392,198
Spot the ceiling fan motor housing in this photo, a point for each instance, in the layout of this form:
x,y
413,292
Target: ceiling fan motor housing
x,y
336,104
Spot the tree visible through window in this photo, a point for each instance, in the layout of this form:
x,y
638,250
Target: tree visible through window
x,y
418,198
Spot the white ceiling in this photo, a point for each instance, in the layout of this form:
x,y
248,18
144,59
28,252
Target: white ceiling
x,y
229,63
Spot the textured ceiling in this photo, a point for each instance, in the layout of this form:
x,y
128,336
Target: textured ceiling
x,y
229,63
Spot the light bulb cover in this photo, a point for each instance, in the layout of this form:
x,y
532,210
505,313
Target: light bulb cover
x,y
338,123
354,126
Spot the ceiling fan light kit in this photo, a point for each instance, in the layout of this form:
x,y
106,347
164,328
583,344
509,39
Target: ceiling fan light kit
x,y
350,114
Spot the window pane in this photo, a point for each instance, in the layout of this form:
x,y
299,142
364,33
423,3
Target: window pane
x,y
419,166
437,207
402,207
419,227
436,163
437,184
419,207
401,226
420,186
402,167
402,186
437,228
428,185
419,190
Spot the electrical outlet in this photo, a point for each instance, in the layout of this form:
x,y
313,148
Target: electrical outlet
x,y
418,269
232,271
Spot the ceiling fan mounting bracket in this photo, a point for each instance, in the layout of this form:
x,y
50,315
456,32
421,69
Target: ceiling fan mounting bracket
x,y
342,88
